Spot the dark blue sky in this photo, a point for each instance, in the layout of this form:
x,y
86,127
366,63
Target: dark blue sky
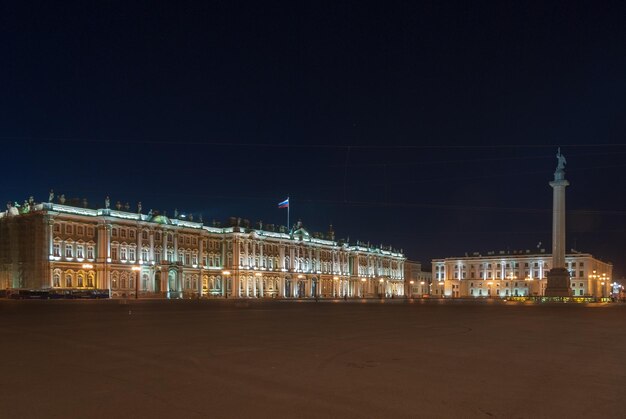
x,y
429,126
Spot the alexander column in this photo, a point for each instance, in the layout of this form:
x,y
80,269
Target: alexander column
x,y
558,276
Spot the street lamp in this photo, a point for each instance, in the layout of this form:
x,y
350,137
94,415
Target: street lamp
x,y
226,274
258,275
136,269
363,287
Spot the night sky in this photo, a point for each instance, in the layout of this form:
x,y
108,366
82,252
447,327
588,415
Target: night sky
x,y
432,127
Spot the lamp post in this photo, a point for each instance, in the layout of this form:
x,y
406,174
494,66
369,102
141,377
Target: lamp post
x,y
258,276
226,274
137,269
363,287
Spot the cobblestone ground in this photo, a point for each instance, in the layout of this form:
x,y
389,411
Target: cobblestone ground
x,y
302,359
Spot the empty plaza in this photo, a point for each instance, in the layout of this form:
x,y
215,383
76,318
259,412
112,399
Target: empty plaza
x,y
333,358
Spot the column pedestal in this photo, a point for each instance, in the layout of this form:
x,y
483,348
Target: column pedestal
x,y
558,283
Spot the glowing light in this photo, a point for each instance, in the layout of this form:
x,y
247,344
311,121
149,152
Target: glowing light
x,y
136,268
87,266
363,279
226,273
258,274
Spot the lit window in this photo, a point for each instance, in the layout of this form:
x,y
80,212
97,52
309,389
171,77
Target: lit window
x,y
68,280
68,250
144,254
123,253
131,254
56,249
90,252
80,250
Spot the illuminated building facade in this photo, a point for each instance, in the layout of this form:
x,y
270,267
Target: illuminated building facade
x,y
519,273
49,245
417,280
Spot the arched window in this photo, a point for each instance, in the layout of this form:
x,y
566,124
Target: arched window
x,y
131,283
81,280
90,279
68,280
56,279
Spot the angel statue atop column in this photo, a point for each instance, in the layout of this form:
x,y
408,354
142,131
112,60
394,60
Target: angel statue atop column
x,y
561,160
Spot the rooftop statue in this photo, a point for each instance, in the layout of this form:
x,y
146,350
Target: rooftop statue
x,y
139,207
51,195
561,160
107,203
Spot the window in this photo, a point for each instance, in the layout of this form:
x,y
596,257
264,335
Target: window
x,y
131,254
123,253
114,232
194,241
57,228
157,257
581,264
56,279
56,249
144,254
170,256
68,280
498,274
80,251
90,231
90,252
573,274
123,233
187,241
157,236
187,259
144,235
472,275
68,250
131,234
489,275
68,229
498,266
81,280
114,253
582,274
194,260
80,230
580,292
90,280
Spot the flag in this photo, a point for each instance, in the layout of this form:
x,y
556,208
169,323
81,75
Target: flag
x,y
284,204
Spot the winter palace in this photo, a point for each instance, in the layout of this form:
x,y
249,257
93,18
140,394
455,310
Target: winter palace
x,y
58,246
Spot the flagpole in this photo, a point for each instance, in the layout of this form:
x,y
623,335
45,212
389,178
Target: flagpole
x,y
288,205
